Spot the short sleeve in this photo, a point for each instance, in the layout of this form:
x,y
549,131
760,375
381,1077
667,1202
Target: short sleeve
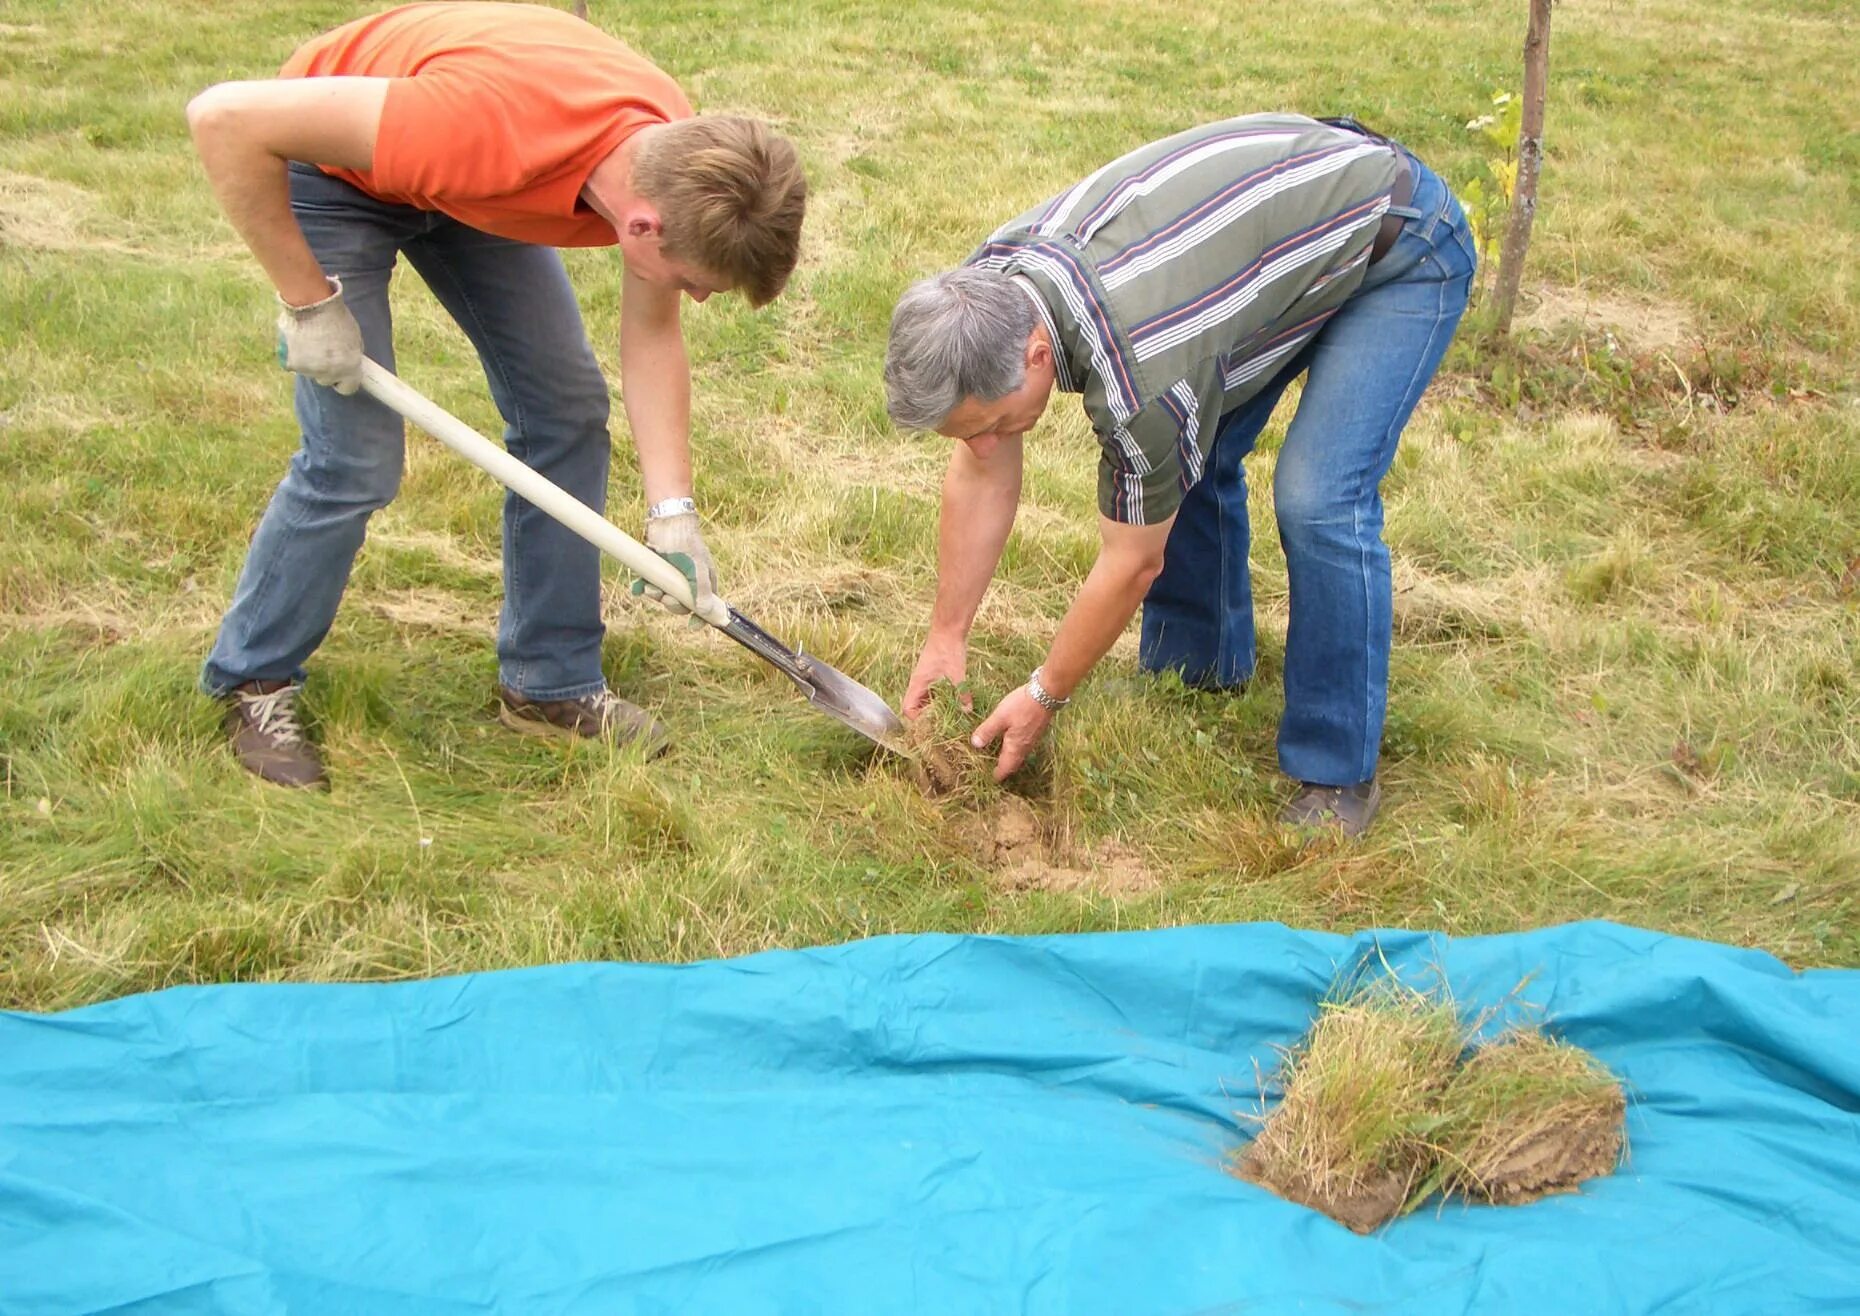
x,y
458,130
1149,462
447,133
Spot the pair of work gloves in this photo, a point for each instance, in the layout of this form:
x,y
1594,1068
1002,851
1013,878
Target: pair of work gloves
x,y
323,343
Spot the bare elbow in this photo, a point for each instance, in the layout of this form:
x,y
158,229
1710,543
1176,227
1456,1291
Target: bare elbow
x,y
210,113
1146,571
200,111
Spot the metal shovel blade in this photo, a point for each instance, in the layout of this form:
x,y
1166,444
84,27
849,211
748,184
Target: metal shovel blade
x,y
839,696
826,687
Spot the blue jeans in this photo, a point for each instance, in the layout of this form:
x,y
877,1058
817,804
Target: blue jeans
x,y
1367,369
514,302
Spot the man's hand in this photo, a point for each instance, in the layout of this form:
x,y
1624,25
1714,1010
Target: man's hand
x,y
678,540
1019,722
941,660
322,342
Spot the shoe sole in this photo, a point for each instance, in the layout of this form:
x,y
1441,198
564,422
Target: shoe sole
x,y
530,726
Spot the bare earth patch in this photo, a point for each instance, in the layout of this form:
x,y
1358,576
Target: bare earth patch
x,y
1555,1158
1361,1205
1012,837
1529,1116
1643,323
1024,852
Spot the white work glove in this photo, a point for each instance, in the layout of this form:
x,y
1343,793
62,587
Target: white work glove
x,y
678,540
322,342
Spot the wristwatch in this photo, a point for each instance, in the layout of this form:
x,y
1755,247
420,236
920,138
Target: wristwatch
x,y
671,507
1045,699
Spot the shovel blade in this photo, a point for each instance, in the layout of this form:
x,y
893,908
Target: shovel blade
x,y
845,700
826,687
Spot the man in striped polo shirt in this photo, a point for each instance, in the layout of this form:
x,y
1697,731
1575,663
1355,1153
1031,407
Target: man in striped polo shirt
x,y
1178,290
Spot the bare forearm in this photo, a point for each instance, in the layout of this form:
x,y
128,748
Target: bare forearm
x,y
1127,565
655,378
979,502
254,192
245,132
1104,606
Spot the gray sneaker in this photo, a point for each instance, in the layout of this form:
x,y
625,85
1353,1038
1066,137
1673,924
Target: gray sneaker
x,y
603,715
1345,809
267,738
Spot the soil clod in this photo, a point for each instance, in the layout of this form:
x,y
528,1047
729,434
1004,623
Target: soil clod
x,y
1385,1101
1010,834
1531,1116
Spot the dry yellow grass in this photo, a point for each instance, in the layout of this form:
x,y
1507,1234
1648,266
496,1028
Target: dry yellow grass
x,y
1387,1100
1351,1134
1528,1115
1626,682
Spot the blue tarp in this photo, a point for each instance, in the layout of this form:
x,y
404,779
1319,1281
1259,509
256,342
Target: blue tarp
x,y
932,1123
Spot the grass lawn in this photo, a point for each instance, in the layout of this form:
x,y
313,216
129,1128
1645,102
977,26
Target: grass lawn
x,y
1627,674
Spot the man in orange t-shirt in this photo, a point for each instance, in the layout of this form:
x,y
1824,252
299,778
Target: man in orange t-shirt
x,y
473,139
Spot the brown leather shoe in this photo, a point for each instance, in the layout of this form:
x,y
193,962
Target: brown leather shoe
x,y
267,739
1345,809
603,715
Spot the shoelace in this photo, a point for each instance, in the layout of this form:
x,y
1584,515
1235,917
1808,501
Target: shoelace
x,y
276,714
604,706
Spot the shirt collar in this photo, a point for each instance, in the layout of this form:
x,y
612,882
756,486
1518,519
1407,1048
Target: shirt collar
x,y
1062,369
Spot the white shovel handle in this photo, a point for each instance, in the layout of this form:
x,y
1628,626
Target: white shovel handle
x,y
383,385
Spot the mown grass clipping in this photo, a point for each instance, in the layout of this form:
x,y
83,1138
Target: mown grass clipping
x,y
1388,1100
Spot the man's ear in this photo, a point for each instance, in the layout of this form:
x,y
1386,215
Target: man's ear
x,y
643,222
1039,352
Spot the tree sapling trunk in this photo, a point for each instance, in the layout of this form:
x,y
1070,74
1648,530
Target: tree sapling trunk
x,y
1530,162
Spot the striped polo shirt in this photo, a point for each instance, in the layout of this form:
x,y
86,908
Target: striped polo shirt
x,y
1177,278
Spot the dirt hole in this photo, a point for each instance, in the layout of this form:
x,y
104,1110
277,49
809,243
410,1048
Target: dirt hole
x,y
1016,837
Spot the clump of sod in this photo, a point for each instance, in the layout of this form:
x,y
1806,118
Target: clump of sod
x,y
944,764
1527,1116
1386,1101
1350,1137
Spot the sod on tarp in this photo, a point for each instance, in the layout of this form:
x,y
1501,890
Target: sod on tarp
x,y
949,1124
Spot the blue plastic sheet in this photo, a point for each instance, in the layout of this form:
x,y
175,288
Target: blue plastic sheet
x,y
933,1123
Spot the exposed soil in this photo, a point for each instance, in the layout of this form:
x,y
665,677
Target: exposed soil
x,y
1012,836
1647,324
1017,842
1007,833
1556,1159
938,765
1363,1206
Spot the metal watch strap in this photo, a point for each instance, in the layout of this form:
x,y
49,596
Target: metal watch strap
x,y
671,507
1042,696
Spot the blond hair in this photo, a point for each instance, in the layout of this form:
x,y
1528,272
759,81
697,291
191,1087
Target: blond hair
x,y
730,195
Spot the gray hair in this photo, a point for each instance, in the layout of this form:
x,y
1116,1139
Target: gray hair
x,y
957,335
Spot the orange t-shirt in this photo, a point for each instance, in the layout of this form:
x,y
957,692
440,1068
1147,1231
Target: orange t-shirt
x,y
497,113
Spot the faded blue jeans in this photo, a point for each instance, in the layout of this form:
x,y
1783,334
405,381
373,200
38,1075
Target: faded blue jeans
x,y
1366,371
515,303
